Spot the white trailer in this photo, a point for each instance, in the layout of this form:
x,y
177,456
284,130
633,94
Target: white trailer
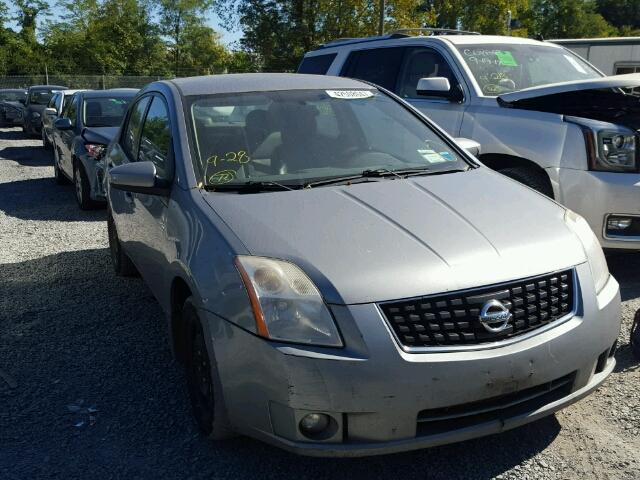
x,y
612,56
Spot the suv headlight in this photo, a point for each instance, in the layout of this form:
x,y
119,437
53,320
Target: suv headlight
x,y
611,150
286,304
592,248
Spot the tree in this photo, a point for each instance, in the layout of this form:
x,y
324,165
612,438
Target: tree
x,y
28,11
178,16
620,13
567,19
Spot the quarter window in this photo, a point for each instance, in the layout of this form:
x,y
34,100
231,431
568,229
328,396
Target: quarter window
x,y
155,139
132,133
379,66
318,64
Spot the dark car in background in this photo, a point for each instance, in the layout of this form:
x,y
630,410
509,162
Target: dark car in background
x,y
38,97
80,137
56,105
12,102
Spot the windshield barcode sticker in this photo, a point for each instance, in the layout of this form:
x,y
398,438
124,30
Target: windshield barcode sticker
x,y
350,94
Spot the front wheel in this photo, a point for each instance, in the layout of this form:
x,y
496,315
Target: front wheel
x,y
57,173
635,336
121,262
83,187
46,144
206,399
530,177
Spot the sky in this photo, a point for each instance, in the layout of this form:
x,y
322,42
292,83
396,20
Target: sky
x,y
228,37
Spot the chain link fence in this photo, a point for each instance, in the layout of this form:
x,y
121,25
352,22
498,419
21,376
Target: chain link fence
x,y
94,82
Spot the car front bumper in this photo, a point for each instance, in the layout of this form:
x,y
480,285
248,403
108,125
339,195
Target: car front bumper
x,y
597,195
378,394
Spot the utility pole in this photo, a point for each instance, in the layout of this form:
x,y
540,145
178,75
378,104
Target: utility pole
x,y
509,17
46,75
381,20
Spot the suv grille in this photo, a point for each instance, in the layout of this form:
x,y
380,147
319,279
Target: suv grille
x,y
453,318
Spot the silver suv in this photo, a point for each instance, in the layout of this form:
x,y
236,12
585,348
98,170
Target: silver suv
x,y
543,115
341,278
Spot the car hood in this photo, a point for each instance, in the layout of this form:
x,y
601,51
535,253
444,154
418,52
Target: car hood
x,y
393,239
615,81
101,135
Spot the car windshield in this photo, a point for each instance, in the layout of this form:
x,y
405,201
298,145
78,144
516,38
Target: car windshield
x,y
501,68
40,97
12,96
295,137
104,111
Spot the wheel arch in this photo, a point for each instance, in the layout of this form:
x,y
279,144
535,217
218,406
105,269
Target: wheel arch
x,y
500,161
180,291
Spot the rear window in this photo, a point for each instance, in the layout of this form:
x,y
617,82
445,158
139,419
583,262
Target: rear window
x,y
104,111
40,97
317,65
379,66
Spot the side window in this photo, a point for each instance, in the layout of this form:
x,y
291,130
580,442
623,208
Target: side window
x,y
71,111
53,101
423,63
131,134
318,64
379,66
155,138
66,101
58,102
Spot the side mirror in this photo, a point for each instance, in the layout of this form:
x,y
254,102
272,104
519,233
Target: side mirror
x,y
63,124
471,146
50,111
22,100
434,86
138,177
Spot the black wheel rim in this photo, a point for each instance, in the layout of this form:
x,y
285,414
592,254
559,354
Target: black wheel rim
x,y
199,379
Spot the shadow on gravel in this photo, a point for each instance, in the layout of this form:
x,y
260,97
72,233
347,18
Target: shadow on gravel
x,y
13,133
28,155
73,336
42,199
625,267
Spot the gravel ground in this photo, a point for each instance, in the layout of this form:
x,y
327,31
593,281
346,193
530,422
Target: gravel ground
x,y
88,388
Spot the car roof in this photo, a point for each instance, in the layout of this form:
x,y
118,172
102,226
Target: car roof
x,y
47,87
123,92
373,42
22,90
260,82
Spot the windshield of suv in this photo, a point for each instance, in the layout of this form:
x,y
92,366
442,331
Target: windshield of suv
x,y
12,96
500,68
295,137
104,111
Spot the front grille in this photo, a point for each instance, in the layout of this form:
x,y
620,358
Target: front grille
x,y
503,407
453,318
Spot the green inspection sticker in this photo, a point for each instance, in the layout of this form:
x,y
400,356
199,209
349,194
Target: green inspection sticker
x,y
506,59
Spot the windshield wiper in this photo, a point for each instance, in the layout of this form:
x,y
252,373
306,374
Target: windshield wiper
x,y
250,187
375,173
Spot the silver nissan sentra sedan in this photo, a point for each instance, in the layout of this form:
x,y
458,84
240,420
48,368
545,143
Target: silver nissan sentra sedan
x,y
340,278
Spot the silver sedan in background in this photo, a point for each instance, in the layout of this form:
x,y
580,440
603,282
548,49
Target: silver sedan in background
x,y
340,278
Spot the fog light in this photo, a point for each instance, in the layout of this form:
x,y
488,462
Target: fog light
x,y
618,223
314,423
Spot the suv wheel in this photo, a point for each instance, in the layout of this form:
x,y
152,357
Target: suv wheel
x,y
531,178
121,262
82,187
206,400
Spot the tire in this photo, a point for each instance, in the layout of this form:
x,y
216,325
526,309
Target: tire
x,y
634,340
530,177
57,173
46,144
122,264
203,386
82,187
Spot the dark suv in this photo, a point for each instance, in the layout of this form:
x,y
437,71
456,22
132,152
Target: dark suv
x,y
38,97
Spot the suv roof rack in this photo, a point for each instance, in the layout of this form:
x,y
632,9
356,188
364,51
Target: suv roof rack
x,y
401,33
432,31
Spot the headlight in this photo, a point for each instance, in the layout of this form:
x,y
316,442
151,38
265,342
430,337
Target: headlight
x,y
610,150
286,304
595,256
